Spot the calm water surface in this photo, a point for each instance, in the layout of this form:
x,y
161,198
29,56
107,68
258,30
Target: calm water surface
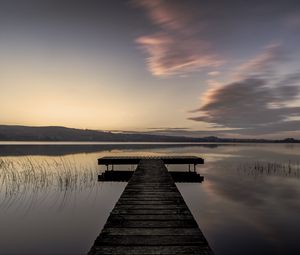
x,y
51,202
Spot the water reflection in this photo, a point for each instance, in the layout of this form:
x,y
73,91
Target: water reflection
x,y
58,149
248,203
257,211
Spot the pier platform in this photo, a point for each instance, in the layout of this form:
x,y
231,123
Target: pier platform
x,y
151,217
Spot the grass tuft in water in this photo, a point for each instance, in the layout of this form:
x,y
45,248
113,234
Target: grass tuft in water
x,y
27,178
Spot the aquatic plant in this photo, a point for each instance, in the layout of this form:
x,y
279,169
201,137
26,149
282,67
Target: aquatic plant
x,y
266,168
26,178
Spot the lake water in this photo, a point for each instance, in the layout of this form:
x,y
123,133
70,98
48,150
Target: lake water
x,y
52,203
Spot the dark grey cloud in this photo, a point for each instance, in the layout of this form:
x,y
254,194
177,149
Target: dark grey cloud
x,y
70,19
262,102
248,103
285,126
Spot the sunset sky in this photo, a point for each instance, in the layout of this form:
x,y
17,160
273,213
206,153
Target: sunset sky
x,y
183,67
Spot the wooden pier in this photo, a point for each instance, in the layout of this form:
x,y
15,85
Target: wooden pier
x,y
151,217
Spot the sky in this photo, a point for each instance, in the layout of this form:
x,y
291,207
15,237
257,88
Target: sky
x,y
176,67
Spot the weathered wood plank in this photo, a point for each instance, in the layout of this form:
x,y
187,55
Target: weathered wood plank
x,y
150,211
152,231
151,250
149,240
150,198
148,202
151,207
156,217
154,223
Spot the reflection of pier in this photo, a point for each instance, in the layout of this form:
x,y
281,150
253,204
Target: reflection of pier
x,y
124,176
151,216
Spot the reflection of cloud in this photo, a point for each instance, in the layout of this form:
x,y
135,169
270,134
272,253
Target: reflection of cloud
x,y
258,103
230,179
176,49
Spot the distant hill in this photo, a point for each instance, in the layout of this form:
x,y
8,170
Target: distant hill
x,y
57,133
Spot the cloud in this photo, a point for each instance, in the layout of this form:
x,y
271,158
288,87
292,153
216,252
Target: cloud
x,y
292,20
165,14
213,73
177,47
261,102
265,64
168,55
168,129
248,103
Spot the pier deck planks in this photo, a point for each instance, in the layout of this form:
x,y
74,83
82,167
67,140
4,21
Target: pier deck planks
x,y
151,217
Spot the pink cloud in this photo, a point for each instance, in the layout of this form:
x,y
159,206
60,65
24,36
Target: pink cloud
x,y
168,55
177,48
169,16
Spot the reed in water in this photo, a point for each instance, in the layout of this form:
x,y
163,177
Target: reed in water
x,y
27,178
265,168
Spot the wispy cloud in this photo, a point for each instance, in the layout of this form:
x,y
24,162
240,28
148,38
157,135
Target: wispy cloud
x,y
180,131
264,64
214,73
165,14
169,55
292,20
177,47
261,101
